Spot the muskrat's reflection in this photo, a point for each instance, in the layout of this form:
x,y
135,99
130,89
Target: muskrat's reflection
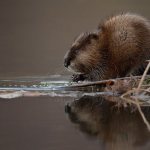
x,y
118,129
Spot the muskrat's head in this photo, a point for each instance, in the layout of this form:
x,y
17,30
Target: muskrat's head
x,y
84,53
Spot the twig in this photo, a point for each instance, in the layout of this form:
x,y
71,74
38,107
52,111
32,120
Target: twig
x,y
143,77
137,103
103,82
142,114
136,100
137,92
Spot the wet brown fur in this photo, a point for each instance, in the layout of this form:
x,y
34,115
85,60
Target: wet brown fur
x,y
120,46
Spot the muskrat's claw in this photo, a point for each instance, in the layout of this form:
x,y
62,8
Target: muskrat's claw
x,y
78,77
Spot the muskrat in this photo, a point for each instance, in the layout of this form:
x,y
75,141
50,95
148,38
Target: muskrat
x,y
119,47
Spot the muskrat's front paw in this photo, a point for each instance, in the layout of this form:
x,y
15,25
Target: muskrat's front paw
x,y
78,77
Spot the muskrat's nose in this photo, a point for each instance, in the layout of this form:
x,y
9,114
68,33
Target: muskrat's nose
x,y
66,63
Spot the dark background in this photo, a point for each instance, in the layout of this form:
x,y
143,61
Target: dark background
x,y
35,34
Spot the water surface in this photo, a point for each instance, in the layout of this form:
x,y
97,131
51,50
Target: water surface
x,y
47,113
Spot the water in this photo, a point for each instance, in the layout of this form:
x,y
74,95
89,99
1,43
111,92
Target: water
x,y
36,111
47,113
39,118
53,86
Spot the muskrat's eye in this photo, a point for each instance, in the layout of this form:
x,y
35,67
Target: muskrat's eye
x,y
94,36
74,49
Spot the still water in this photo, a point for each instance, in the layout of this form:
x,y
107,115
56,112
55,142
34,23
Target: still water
x,y
34,36
51,113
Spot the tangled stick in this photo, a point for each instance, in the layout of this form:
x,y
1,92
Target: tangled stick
x,y
136,92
